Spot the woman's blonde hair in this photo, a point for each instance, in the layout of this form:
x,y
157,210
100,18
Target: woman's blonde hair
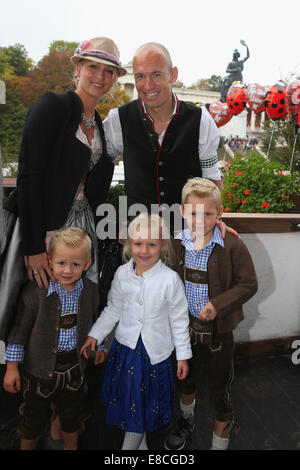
x,y
152,226
201,187
72,237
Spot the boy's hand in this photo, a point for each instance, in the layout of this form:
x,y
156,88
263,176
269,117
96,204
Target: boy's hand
x,y
99,357
89,342
208,312
12,381
182,369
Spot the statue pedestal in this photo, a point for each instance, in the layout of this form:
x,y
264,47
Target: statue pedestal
x,y
236,126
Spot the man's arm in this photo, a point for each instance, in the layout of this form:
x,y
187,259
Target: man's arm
x,y
113,134
209,138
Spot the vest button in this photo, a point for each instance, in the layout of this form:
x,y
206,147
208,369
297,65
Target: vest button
x,y
161,178
162,193
160,163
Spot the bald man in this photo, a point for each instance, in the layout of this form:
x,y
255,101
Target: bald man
x,y
164,141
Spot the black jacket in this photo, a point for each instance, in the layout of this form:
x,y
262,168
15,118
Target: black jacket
x,y
52,162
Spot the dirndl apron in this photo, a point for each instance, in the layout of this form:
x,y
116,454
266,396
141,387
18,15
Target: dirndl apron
x,y
81,216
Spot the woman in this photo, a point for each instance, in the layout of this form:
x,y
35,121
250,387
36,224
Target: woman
x,y
64,171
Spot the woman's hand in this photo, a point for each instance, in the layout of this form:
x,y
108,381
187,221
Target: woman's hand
x,y
224,228
37,267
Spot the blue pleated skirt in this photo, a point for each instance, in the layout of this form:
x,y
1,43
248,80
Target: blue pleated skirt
x,y
139,396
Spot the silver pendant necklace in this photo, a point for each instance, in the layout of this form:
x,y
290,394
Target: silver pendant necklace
x,y
88,123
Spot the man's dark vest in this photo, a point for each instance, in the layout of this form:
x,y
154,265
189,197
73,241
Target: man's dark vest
x,y
155,174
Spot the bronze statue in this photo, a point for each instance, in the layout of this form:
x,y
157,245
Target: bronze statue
x,y
234,71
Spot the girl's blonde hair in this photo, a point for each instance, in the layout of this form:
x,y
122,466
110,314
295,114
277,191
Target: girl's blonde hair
x,y
201,187
152,226
72,237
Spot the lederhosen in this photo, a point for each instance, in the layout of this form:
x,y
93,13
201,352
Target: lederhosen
x,y
211,349
66,388
201,332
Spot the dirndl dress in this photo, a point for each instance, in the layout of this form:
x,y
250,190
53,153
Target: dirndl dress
x,y
12,269
139,396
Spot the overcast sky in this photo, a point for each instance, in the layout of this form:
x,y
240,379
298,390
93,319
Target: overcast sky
x,y
200,35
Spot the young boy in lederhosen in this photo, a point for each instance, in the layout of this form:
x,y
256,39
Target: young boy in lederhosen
x,y
219,278
50,328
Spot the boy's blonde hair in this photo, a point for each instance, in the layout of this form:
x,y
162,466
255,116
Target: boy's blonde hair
x,y
201,187
72,237
154,227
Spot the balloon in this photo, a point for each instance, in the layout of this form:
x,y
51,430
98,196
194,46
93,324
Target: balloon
x,y
275,101
237,98
220,113
256,96
293,100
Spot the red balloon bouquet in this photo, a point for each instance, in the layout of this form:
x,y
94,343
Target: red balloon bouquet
x,y
256,97
220,113
237,98
275,101
293,100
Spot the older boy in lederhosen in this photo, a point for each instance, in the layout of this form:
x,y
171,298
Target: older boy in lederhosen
x,y
219,278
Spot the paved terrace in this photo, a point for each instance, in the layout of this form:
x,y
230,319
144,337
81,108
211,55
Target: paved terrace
x,y
265,396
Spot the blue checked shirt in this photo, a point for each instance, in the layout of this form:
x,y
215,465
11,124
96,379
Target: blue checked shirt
x,y
67,338
198,294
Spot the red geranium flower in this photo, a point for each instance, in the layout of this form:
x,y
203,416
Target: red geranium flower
x,y
247,191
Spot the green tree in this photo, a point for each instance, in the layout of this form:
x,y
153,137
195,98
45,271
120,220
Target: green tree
x,y
6,69
63,46
279,140
210,84
215,83
12,117
17,58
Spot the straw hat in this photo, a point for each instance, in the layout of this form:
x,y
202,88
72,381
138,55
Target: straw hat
x,y
102,50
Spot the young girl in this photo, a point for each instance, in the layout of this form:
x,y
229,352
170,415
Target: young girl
x,y
148,302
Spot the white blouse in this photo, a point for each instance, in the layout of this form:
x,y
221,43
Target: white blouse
x,y
153,305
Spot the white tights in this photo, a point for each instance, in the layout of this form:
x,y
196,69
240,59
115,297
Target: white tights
x,y
134,441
